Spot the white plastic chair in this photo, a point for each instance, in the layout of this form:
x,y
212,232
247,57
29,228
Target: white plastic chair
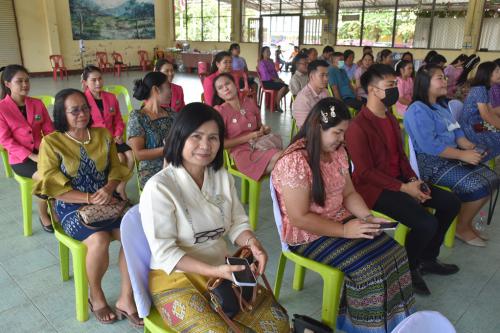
x,y
456,107
425,321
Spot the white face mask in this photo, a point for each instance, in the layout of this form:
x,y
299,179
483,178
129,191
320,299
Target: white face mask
x,y
341,63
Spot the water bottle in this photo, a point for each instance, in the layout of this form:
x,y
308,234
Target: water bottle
x,y
480,224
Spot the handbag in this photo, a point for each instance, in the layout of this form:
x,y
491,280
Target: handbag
x,y
305,324
248,306
94,216
266,142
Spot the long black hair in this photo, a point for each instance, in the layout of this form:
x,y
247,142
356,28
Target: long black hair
x,y
483,74
8,73
216,99
311,132
143,87
218,58
422,84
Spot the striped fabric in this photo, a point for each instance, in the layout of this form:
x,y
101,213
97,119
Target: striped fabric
x,y
377,293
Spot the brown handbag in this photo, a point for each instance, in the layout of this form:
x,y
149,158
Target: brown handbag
x,y
246,305
99,216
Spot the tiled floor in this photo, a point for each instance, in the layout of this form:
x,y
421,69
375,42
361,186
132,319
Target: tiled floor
x,y
34,299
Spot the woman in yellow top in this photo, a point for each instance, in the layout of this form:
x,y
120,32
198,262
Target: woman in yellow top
x,y
78,166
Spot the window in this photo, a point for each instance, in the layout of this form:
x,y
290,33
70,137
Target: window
x,y
402,23
312,30
203,20
490,30
250,20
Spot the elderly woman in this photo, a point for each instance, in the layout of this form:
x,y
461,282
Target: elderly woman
x,y
326,220
148,127
23,122
79,166
186,209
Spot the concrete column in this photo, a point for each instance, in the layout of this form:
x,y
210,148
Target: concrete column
x,y
50,21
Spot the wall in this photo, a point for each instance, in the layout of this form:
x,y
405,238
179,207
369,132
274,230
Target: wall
x,y
249,51
45,28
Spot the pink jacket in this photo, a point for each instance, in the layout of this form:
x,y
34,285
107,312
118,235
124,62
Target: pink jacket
x,y
177,100
20,136
111,118
208,90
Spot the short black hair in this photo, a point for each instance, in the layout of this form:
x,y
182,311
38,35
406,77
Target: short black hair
x,y
313,65
234,46
328,49
160,62
59,111
429,55
347,53
375,73
384,54
337,54
192,116
89,69
423,83
402,64
483,74
298,57
437,59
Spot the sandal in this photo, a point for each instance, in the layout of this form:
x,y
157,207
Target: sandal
x,y
133,319
101,313
47,228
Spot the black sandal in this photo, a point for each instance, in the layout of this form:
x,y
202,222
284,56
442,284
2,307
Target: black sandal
x,y
47,228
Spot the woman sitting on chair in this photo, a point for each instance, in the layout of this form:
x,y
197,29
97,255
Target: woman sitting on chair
x,y
105,112
243,128
23,121
168,68
148,127
445,157
78,166
222,63
326,220
270,78
186,209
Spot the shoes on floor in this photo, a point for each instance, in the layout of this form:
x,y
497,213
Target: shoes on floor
x,y
472,242
437,267
418,283
47,228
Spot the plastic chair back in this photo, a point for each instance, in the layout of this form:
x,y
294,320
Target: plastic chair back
x,y
117,57
56,61
425,321
203,67
456,107
412,157
48,101
277,213
102,58
143,55
121,90
138,255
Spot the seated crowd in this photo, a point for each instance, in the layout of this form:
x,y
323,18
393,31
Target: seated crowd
x,y
347,163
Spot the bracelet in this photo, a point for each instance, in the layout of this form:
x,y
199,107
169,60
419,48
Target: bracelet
x,y
248,240
365,219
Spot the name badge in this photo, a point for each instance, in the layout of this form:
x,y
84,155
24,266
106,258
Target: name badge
x,y
111,110
235,120
453,126
177,102
38,117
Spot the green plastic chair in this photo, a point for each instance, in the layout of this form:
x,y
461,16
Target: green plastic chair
x,y
121,90
332,278
250,189
46,100
79,254
5,160
26,185
294,130
401,230
153,323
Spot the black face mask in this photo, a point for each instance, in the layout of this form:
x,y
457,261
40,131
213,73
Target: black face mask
x,y
391,96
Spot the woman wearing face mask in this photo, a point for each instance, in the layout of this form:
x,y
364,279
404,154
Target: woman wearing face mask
x,y
177,98
384,178
222,63
445,157
148,127
326,220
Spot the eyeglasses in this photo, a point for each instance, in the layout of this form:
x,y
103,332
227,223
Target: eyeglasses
x,y
204,236
76,111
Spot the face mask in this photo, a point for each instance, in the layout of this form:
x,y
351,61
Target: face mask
x,y
391,96
341,63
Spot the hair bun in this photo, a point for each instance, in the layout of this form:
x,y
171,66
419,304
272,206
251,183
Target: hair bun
x,y
2,68
140,90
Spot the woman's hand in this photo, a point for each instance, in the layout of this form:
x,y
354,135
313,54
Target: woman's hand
x,y
225,271
266,129
118,140
103,196
359,229
413,189
471,157
259,255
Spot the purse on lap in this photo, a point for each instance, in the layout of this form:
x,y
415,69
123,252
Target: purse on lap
x,y
266,142
99,216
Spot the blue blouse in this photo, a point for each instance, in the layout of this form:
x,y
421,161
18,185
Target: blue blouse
x,y
470,114
431,130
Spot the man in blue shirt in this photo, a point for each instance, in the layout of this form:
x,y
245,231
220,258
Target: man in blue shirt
x,y
340,83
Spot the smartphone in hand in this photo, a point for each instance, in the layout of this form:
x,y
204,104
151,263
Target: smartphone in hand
x,y
481,149
425,188
244,278
389,226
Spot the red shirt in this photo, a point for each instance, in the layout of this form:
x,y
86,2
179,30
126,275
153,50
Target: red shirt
x,y
391,141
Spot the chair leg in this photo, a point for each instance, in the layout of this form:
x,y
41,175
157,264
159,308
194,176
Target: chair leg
x,y
6,165
81,284
332,288
64,261
244,191
279,276
299,275
26,200
449,238
254,203
400,234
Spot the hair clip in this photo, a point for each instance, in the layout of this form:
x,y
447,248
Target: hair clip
x,y
324,114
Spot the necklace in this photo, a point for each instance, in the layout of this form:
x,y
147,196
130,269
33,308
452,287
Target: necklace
x,y
80,142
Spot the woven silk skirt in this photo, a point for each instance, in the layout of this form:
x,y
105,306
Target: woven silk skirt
x,y
377,292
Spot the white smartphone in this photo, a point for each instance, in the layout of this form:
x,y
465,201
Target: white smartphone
x,y
244,278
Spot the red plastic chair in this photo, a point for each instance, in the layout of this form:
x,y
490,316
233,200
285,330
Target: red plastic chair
x,y
246,91
159,54
102,61
270,93
57,63
118,65
203,70
144,61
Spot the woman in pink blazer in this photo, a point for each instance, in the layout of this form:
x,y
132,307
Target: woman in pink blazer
x,y
105,112
177,98
23,123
